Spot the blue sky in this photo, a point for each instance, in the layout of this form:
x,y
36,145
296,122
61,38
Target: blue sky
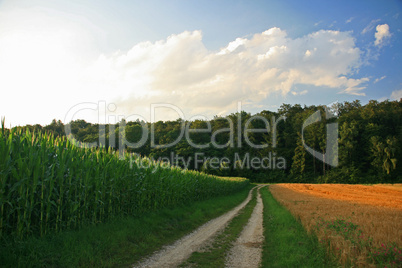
x,y
201,57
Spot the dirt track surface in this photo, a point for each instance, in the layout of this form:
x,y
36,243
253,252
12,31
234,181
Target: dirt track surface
x,y
175,254
247,250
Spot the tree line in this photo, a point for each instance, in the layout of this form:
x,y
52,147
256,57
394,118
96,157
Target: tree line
x,y
267,146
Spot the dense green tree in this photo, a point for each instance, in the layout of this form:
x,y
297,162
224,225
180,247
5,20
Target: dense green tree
x,y
370,138
299,161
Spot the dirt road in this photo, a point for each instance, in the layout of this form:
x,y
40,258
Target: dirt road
x,y
175,254
247,249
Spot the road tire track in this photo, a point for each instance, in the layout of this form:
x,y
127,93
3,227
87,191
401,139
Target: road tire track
x,y
247,250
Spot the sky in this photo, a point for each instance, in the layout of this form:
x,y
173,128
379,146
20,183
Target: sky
x,y
102,61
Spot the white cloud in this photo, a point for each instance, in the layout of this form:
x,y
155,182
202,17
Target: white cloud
x,y
382,34
332,24
303,92
379,79
382,99
396,95
318,23
349,20
370,26
182,71
353,87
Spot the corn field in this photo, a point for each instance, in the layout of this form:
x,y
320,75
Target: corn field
x,y
47,184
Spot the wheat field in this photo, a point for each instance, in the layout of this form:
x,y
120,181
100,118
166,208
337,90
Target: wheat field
x,y
362,225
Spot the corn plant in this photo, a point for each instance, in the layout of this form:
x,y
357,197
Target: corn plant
x,y
47,184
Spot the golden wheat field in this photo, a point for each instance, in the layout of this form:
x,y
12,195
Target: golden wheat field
x,y
378,195
360,224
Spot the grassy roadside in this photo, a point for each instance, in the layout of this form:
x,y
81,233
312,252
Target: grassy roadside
x,y
287,244
120,242
214,255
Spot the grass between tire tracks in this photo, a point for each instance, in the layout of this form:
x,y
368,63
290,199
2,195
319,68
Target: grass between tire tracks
x,y
118,243
214,255
287,244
